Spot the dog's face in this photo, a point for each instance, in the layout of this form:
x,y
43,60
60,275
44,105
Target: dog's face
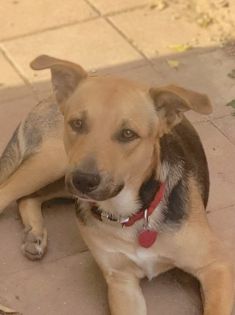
x,y
110,132
112,127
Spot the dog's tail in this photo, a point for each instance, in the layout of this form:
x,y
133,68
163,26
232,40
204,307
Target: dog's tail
x,y
12,156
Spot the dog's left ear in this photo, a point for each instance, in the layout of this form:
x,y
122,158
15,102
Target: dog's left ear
x,y
171,101
65,75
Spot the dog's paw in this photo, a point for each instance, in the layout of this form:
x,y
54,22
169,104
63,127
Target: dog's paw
x,y
34,246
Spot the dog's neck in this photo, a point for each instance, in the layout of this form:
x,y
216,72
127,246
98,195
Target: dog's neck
x,y
124,204
127,202
148,191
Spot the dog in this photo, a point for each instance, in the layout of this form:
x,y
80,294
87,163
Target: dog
x,y
138,172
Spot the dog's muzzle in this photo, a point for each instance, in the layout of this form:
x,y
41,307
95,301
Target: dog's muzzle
x,y
85,182
92,186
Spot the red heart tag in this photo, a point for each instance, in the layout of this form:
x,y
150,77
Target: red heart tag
x,y
147,238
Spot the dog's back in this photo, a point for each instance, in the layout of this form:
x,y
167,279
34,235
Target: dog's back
x,y
42,123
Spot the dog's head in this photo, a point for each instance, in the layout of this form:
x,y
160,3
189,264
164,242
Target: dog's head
x,y
113,126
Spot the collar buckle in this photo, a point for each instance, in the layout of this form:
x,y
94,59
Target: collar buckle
x,y
105,216
146,219
124,220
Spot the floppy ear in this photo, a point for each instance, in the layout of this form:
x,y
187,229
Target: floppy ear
x,y
171,101
65,75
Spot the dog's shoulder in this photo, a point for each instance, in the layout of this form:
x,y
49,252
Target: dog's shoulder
x,y
183,154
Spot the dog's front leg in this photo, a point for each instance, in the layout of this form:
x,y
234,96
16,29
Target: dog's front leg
x,y
125,295
217,288
201,253
35,240
208,262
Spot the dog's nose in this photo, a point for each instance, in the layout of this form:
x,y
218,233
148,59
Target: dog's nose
x,y
85,182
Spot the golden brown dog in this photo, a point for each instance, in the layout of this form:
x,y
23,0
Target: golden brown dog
x,y
139,173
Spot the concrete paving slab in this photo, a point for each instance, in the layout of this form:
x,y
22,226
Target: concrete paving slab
x,y
9,78
73,285
155,31
206,72
108,7
227,126
173,293
223,225
93,50
220,152
20,17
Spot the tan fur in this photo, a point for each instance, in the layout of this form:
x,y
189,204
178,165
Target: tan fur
x,y
39,170
108,104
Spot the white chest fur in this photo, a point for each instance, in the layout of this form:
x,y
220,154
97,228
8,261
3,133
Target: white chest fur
x,y
151,261
147,260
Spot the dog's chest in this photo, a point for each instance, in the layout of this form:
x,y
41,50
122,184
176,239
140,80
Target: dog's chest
x,y
147,260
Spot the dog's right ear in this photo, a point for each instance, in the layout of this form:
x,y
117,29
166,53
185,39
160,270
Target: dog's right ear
x,y
65,75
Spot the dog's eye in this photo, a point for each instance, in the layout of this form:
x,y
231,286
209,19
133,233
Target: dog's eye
x,y
76,124
127,135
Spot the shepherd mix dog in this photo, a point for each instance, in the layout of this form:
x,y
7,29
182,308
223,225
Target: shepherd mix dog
x,y
138,172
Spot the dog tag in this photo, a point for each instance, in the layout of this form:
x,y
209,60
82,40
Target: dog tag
x,y
147,238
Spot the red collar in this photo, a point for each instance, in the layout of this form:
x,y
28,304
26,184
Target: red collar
x,y
129,221
140,215
146,235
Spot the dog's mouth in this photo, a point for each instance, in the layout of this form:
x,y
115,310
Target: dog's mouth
x,y
99,194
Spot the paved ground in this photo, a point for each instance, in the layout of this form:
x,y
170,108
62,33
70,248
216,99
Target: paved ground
x,y
142,40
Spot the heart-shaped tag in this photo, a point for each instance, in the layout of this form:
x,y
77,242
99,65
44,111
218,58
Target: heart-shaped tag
x,y
147,238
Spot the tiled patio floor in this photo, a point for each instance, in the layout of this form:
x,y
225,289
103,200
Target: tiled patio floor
x,y
132,38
